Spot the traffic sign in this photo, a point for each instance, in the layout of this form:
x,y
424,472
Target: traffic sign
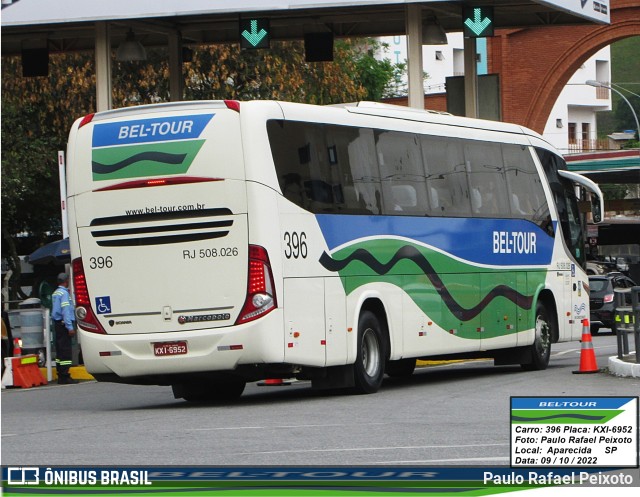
x,y
477,22
255,33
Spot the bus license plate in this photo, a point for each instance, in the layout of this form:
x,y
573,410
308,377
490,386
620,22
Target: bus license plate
x,y
169,348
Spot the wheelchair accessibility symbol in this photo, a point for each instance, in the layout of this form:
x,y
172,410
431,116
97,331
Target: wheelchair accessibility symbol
x,y
103,305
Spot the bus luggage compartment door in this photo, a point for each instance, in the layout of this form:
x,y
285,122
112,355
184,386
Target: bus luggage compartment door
x,y
304,337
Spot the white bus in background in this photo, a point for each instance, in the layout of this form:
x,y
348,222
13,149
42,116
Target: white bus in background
x,y
218,243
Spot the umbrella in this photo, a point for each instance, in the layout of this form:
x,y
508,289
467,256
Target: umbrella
x,y
55,252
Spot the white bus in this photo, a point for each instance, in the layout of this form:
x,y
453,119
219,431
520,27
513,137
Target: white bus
x,y
218,243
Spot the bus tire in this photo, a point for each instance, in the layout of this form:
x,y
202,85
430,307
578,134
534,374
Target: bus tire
x,y
540,349
368,369
402,368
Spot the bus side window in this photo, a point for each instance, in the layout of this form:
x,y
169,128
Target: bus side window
x,y
486,179
526,194
446,174
292,189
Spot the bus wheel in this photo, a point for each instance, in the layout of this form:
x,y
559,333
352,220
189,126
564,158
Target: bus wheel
x,y
400,369
369,367
541,347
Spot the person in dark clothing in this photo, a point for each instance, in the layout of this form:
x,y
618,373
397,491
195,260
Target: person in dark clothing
x,y
63,316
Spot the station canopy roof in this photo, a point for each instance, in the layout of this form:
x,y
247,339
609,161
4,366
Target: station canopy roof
x,y
67,25
613,166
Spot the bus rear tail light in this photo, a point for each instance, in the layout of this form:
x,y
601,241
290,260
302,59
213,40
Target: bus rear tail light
x,y
261,292
84,313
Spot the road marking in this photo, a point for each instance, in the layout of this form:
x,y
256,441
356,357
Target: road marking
x,y
437,461
354,449
278,427
565,352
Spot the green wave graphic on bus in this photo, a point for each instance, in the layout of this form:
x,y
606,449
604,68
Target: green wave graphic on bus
x,y
135,161
459,297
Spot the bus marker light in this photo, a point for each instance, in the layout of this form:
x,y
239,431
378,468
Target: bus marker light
x,y
422,333
290,345
233,105
230,347
86,120
349,330
109,353
144,183
296,334
430,323
323,342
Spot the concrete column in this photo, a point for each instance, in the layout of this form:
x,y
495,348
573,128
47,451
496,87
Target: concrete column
x,y
103,67
415,71
470,78
176,81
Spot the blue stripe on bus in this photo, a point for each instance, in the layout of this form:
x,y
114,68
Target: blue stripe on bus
x,y
496,242
150,130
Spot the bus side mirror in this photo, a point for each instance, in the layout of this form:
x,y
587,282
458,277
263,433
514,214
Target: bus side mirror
x,y
596,213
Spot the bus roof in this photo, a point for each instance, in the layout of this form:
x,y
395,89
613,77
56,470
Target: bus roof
x,y
363,107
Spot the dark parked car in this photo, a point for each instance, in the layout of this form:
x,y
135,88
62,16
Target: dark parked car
x,y
602,299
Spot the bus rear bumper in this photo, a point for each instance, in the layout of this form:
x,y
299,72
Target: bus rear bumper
x,y
195,351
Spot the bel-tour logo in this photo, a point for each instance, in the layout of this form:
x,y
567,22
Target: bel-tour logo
x,y
146,147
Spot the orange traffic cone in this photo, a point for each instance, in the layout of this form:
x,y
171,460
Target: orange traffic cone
x,y
587,354
273,382
17,351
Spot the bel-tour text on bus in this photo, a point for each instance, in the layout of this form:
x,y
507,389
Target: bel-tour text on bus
x,y
514,242
155,128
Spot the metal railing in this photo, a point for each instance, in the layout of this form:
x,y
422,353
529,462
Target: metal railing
x,y
588,145
627,319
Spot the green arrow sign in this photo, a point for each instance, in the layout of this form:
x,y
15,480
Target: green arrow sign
x,y
254,33
477,21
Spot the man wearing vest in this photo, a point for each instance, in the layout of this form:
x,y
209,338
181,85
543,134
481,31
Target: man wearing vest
x,y
63,316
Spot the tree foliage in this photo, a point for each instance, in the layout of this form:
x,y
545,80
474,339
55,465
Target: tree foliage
x,y
626,113
37,113
36,116
614,191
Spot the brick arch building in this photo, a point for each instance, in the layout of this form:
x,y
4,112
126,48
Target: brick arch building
x,y
535,64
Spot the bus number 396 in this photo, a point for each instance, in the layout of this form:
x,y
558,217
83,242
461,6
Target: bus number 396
x,y
101,262
295,245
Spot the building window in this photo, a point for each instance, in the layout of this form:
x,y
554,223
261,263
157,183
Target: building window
x,y
571,130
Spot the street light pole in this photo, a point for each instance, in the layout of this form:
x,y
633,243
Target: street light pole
x,y
598,84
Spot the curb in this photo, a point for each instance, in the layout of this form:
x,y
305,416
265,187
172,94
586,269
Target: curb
x,y
77,373
618,367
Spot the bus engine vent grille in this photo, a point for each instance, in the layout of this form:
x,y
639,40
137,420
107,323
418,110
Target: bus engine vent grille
x,y
159,228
